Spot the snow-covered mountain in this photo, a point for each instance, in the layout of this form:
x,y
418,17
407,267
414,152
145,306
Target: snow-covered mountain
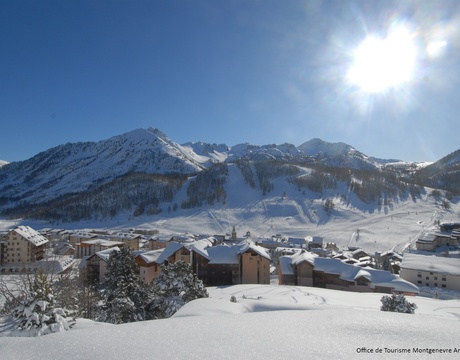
x,y
339,154
3,162
143,168
75,167
444,173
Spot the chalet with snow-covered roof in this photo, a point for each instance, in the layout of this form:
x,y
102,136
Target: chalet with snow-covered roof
x,y
64,248
268,243
243,263
298,242
79,236
296,269
310,270
426,242
226,264
159,242
94,267
315,242
431,271
130,240
449,226
56,234
149,267
23,245
90,247
430,241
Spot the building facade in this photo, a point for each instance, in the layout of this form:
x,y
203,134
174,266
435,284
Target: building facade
x,y
23,245
431,271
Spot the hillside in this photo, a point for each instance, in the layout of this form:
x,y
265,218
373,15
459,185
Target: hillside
x,y
267,322
145,179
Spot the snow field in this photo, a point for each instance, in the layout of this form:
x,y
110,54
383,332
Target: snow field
x,y
267,322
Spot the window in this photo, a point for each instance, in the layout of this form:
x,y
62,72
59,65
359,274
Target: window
x,y
436,278
419,282
443,285
443,279
435,284
427,278
419,275
427,284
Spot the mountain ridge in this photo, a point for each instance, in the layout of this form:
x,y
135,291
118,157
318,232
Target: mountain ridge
x,y
160,167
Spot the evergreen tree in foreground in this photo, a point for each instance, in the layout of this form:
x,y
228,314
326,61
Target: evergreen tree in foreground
x,y
397,303
37,314
175,286
124,296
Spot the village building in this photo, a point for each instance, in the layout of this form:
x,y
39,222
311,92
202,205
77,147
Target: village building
x,y
309,270
447,236
225,264
431,271
159,241
149,268
79,236
94,267
243,263
90,247
55,235
23,245
64,248
130,240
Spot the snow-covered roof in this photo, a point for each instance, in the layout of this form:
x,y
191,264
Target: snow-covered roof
x,y
224,254
431,263
62,248
105,254
169,251
125,236
285,262
220,254
103,242
56,265
151,256
347,272
161,238
298,241
201,247
31,235
426,238
303,256
249,245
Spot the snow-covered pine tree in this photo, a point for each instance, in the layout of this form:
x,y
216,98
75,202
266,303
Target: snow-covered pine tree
x,y
124,297
397,303
37,314
175,286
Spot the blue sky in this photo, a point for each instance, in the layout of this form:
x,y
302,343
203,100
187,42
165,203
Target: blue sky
x,y
224,72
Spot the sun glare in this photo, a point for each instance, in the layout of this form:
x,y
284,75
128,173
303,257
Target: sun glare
x,y
381,64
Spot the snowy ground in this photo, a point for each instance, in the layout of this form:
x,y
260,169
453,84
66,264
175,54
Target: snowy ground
x,y
271,322
395,226
267,322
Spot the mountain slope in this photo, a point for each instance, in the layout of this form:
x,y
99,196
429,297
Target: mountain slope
x,y
337,154
144,171
444,173
78,167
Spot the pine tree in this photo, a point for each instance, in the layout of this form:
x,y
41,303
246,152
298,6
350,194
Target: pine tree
x,y
37,314
397,303
175,286
124,296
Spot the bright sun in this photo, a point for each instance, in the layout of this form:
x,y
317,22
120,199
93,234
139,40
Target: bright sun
x,y
383,63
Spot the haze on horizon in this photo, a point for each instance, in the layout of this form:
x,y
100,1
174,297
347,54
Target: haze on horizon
x,y
379,76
